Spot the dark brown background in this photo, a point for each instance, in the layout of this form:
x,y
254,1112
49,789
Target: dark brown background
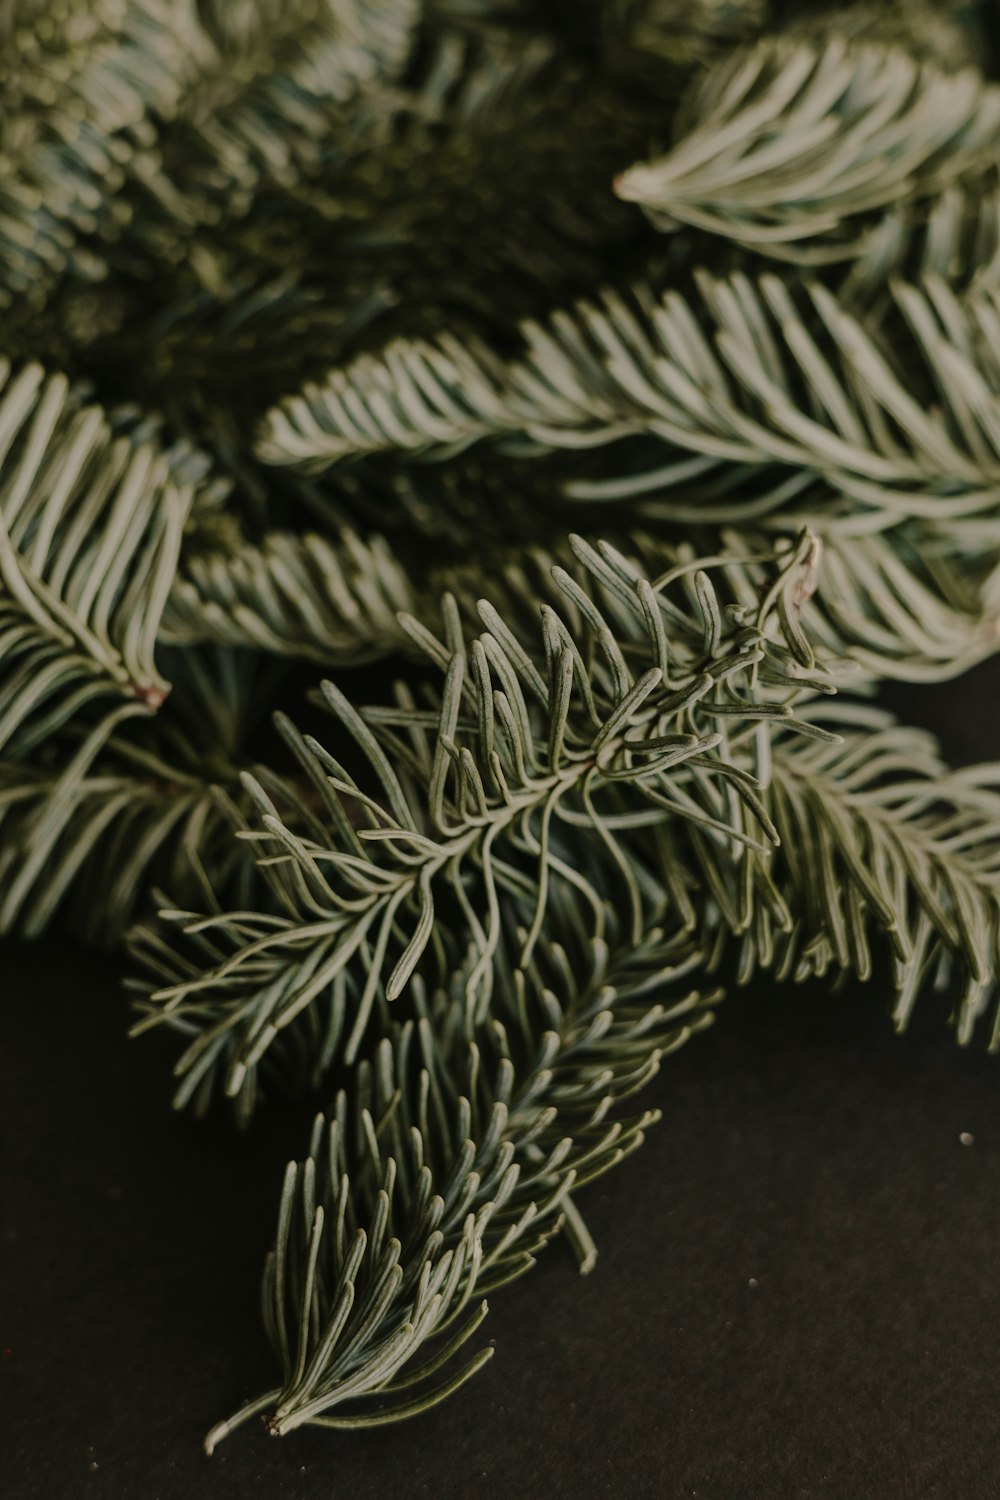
x,y
803,1145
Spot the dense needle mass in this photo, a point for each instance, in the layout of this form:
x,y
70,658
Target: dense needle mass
x,y
465,469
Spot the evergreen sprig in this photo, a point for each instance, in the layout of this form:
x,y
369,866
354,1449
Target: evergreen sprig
x,y
467,802
272,81
90,534
645,728
750,375
875,831
80,83
791,149
750,404
106,811
446,1164
396,1220
333,600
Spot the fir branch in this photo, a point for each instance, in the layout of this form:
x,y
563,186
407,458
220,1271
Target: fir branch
x,y
649,743
918,600
76,106
445,1166
913,604
751,378
242,310
790,148
481,902
526,756
102,816
275,80
100,829
953,237
946,33
90,530
876,831
908,604
328,600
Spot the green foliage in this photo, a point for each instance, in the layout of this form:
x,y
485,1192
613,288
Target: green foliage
x,y
329,326
98,817
302,595
273,79
791,148
748,403
468,802
875,831
897,419
645,728
90,531
445,1166
954,236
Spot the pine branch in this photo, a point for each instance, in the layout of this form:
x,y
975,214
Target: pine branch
x,y
90,529
751,378
954,237
912,604
328,600
445,1166
946,33
478,904
876,832
494,790
100,830
646,742
274,83
907,604
918,600
243,310
102,816
76,101
791,149
255,92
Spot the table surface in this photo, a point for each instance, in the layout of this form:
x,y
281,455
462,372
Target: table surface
x,y
796,1293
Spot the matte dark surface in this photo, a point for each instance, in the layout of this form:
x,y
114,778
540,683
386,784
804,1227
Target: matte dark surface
x,y
803,1146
